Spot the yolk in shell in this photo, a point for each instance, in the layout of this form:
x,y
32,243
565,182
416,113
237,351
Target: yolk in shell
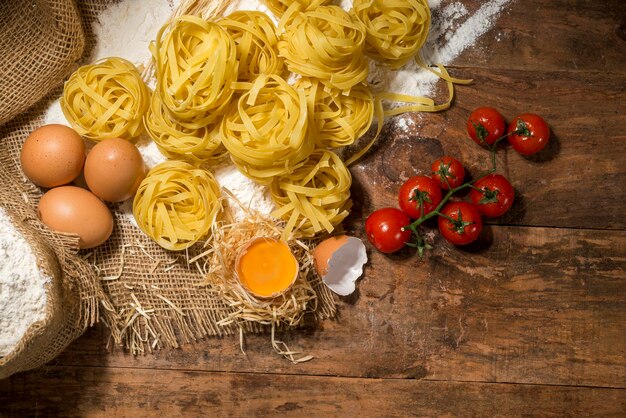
x,y
267,267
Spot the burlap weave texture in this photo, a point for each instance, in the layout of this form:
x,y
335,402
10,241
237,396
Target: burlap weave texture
x,y
148,297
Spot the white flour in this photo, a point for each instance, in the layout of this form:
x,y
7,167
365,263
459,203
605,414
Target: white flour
x,y
126,28
452,31
22,291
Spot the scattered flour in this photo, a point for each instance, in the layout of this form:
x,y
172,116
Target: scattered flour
x,y
459,36
22,286
126,29
453,30
249,194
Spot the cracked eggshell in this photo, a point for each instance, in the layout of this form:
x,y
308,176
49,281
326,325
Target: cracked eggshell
x,y
339,261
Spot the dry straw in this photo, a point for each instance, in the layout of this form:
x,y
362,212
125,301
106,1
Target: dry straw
x,y
306,295
148,297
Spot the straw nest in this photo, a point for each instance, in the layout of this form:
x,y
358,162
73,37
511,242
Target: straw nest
x,y
285,311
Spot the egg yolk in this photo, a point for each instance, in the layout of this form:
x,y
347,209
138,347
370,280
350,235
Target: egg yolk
x,y
267,267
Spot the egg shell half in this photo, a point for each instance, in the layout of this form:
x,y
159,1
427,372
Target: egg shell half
x,y
114,170
52,155
74,210
339,261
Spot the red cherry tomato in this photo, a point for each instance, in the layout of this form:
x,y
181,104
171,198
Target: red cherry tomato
x,y
416,189
496,197
486,125
532,134
450,169
466,225
384,229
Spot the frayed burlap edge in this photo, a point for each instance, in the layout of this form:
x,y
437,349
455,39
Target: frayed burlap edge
x,y
162,298
140,316
41,43
74,294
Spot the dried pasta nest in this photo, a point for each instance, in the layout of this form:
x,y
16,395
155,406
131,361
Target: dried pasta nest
x,y
182,140
196,64
266,131
279,7
255,36
396,29
177,204
315,197
339,119
106,100
325,43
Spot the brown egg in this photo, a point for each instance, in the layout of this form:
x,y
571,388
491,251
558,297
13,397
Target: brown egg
x,y
74,210
52,155
114,169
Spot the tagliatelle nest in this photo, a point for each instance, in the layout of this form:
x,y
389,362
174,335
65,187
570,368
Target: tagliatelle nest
x,y
254,34
177,204
339,119
315,197
195,63
396,29
325,43
266,130
181,140
287,310
106,100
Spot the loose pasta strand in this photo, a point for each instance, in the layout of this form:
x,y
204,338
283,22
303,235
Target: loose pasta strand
x,y
416,104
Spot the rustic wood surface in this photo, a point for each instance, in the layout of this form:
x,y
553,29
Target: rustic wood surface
x,y
529,321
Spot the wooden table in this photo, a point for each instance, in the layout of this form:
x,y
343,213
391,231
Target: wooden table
x,y
531,321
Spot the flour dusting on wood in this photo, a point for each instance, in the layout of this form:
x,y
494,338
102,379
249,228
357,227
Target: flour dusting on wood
x,y
126,29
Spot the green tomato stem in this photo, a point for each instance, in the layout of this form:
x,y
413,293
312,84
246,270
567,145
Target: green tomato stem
x,y
437,212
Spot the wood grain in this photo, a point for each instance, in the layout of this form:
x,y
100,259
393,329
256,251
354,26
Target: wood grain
x,y
530,321
558,35
577,181
93,391
526,305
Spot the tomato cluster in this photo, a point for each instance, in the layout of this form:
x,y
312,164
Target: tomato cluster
x,y
421,198
527,133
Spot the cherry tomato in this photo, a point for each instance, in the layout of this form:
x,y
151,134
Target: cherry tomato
x,y
419,189
466,225
384,229
486,125
533,133
496,197
448,168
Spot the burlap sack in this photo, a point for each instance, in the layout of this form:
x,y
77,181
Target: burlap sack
x,y
40,44
151,298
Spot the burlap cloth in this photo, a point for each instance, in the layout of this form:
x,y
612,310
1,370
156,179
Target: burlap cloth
x,y
148,297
